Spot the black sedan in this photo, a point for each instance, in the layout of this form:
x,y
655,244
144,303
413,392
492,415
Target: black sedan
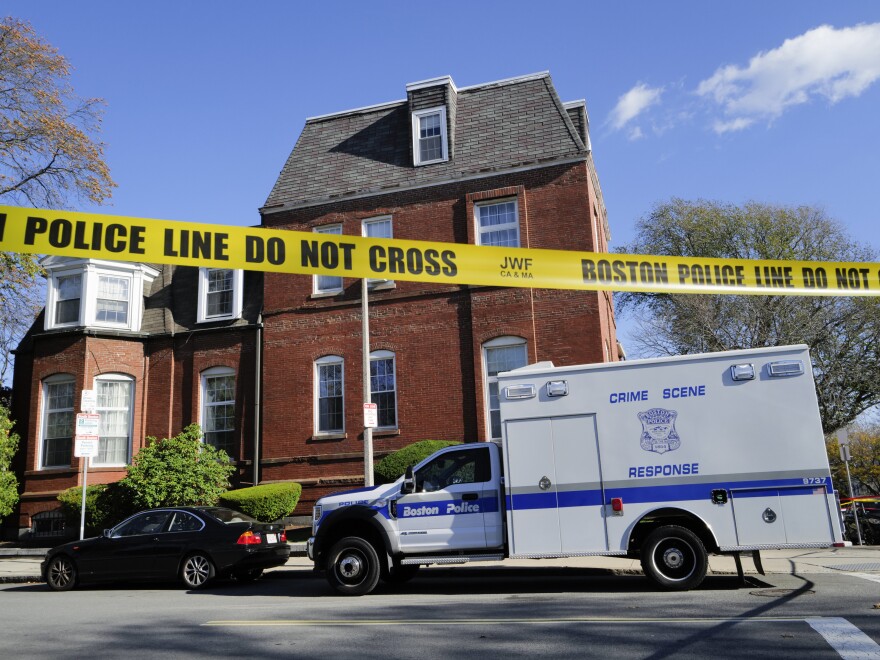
x,y
195,544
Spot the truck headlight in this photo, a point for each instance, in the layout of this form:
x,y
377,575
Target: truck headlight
x,y
317,510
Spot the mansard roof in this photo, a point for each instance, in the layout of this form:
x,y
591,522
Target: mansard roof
x,y
495,127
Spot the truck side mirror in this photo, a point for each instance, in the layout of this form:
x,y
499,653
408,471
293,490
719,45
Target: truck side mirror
x,y
409,482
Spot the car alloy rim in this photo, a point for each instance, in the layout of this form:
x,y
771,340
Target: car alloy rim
x,y
675,559
60,572
196,570
350,567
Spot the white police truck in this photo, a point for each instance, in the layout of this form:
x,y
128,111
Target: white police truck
x,y
664,459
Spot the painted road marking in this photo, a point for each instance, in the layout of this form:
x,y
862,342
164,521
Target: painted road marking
x,y
850,642
873,577
517,621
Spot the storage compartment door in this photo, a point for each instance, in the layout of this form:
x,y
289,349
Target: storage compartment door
x,y
807,518
532,514
758,516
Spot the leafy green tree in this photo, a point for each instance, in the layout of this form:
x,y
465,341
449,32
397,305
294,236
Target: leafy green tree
x,y
178,471
864,464
842,332
8,482
48,155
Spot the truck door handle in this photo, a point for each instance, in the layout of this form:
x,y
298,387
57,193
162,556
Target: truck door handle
x,y
469,497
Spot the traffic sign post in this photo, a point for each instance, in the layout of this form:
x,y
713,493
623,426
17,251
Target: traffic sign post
x,y
845,456
85,446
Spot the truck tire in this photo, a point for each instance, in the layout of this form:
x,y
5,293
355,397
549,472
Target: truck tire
x,y
674,558
353,567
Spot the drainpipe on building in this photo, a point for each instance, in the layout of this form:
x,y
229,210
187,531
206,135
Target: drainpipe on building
x,y
258,378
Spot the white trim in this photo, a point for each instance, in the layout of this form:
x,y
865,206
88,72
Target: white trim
x,y
333,230
54,379
417,116
282,208
375,221
327,360
439,81
237,296
497,342
118,377
387,355
479,230
214,372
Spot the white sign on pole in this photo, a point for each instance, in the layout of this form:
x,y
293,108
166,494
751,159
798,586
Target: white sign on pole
x,y
87,424
85,446
88,401
371,415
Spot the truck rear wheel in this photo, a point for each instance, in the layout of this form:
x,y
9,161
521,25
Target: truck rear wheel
x,y
353,567
674,558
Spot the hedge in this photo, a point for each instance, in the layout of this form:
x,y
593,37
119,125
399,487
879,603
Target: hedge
x,y
267,502
394,465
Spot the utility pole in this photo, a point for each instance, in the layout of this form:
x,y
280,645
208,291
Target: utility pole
x,y
368,431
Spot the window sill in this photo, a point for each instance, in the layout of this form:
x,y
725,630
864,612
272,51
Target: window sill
x,y
326,294
386,432
328,436
382,285
431,162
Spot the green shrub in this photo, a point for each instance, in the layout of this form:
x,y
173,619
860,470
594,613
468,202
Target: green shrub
x,y
8,446
267,502
178,471
393,466
106,505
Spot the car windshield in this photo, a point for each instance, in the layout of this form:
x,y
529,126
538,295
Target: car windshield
x,y
227,516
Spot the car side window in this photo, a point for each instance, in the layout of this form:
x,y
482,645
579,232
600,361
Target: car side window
x,y
460,467
146,523
184,522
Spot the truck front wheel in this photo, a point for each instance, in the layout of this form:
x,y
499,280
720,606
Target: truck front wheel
x,y
674,558
353,567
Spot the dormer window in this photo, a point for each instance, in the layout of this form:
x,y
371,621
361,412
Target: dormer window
x,y
429,136
220,294
93,293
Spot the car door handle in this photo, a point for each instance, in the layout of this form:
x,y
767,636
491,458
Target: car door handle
x,y
469,497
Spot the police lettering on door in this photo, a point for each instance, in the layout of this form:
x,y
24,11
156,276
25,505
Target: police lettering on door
x,y
450,508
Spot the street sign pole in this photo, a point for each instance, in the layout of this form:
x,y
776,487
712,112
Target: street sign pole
x,y
82,515
843,442
85,445
365,331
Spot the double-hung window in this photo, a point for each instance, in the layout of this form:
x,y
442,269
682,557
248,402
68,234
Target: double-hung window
x,y
220,294
429,136
68,298
378,228
113,299
58,416
115,395
383,388
328,283
330,387
497,223
218,408
500,354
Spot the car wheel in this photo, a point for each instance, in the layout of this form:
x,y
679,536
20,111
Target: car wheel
x,y
674,558
353,568
61,574
196,571
249,575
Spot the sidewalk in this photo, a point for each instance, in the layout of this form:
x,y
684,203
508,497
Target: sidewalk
x,y
23,564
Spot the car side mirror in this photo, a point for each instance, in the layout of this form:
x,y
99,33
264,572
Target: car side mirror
x,y
409,482
106,534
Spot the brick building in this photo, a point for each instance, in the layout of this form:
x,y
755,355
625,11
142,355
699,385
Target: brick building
x,y
271,364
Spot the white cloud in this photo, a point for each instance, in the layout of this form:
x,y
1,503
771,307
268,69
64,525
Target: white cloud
x,y
827,62
633,103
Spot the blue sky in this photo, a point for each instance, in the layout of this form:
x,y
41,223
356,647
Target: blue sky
x,y
770,101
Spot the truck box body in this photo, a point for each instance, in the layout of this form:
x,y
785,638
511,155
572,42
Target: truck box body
x,y
664,433
663,459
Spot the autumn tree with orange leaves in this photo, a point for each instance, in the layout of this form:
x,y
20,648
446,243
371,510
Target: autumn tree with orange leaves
x,y
49,158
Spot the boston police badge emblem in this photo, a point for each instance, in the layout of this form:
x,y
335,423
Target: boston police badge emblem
x,y
658,430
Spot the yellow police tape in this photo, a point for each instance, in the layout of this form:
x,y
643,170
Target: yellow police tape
x,y
99,236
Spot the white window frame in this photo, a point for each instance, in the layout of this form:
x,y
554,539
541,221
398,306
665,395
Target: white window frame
x,y
324,288
365,231
115,378
90,272
499,342
328,360
207,374
202,315
417,116
377,356
124,277
57,379
480,231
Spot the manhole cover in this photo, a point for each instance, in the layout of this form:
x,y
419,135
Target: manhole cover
x,y
777,593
